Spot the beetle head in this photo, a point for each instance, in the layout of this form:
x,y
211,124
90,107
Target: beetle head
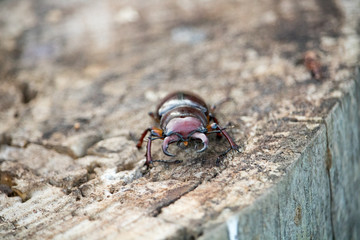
x,y
182,130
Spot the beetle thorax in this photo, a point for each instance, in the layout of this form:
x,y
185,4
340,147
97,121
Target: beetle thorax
x,y
183,126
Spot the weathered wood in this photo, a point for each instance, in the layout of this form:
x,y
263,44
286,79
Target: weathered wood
x,y
78,78
318,198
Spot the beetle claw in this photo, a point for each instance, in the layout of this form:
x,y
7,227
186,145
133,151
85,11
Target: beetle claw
x,y
203,148
167,142
204,140
166,152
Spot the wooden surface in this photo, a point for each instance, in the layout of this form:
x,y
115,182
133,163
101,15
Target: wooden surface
x,y
77,80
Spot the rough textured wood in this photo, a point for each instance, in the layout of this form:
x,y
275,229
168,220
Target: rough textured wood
x,y
78,78
319,196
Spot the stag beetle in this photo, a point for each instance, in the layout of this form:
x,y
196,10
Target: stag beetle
x,y
183,116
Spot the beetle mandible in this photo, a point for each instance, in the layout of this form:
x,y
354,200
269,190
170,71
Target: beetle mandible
x,y
183,116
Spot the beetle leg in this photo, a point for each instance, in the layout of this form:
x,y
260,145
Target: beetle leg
x,y
141,139
219,103
148,152
154,116
221,156
154,132
209,127
212,117
215,126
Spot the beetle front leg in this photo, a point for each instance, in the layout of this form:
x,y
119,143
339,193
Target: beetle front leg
x,y
209,127
141,139
215,126
148,153
154,132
